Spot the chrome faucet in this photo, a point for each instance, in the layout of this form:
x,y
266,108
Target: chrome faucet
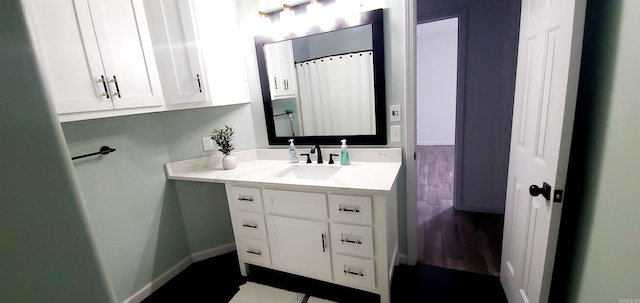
x,y
313,151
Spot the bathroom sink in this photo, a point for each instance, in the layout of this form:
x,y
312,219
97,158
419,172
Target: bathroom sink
x,y
313,172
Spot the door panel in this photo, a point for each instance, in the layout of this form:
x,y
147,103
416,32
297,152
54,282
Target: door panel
x,y
546,87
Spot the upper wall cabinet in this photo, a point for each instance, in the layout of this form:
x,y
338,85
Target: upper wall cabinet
x,y
197,47
105,58
176,42
221,43
95,55
282,75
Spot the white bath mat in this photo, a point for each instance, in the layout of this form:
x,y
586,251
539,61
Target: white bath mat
x,y
252,292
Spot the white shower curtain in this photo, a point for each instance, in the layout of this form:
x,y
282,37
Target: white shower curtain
x,y
337,95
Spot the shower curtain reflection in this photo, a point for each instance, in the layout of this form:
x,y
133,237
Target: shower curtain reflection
x,y
336,95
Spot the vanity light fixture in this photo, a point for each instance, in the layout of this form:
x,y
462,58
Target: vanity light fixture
x,y
349,11
263,24
287,13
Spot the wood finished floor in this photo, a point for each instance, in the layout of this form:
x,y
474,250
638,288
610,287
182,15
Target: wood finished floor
x,y
218,279
449,238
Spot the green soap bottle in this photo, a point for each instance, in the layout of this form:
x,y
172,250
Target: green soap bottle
x,y
344,154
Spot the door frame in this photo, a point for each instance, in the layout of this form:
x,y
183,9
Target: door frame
x,y
411,127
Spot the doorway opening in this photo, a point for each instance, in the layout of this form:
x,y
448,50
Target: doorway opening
x,y
447,237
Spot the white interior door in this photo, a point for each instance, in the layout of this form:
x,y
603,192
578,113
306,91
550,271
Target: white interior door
x,y
544,106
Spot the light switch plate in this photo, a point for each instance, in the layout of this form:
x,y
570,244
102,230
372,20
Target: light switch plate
x,y
207,144
396,135
394,113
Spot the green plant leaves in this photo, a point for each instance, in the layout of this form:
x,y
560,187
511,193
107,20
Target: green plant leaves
x,y
222,137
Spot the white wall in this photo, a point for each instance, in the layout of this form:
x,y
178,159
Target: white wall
x,y
437,63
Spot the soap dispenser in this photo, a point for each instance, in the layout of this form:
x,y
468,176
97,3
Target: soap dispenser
x,y
293,156
344,154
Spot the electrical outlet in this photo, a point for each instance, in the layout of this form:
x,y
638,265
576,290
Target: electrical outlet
x,y
207,144
396,135
394,113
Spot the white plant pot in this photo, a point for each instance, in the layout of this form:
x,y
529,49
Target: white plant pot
x,y
229,161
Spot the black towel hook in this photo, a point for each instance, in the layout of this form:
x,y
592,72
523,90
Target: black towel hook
x,y
105,150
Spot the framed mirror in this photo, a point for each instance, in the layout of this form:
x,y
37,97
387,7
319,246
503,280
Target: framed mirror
x,y
325,86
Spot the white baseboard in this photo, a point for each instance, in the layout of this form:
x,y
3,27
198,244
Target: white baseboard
x,y
159,281
214,252
176,269
404,259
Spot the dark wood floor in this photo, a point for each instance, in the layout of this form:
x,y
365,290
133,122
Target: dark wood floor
x,y
218,279
449,238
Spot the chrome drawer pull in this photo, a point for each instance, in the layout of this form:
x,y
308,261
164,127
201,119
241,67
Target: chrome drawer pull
x,y
258,253
245,198
350,210
348,271
351,241
250,226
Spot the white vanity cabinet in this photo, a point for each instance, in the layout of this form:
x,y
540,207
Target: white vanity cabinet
x,y
94,55
281,70
346,237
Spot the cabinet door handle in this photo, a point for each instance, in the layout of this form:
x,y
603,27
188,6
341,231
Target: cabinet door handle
x,y
259,253
350,210
275,82
243,198
324,246
115,81
286,87
199,84
250,226
104,84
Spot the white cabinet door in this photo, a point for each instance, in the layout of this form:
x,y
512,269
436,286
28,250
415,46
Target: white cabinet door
x,y
280,69
68,54
177,49
127,53
300,246
222,50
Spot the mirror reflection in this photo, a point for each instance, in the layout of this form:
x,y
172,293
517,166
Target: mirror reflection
x,y
323,85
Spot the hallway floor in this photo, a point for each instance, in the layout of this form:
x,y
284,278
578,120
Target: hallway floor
x,y
449,238
218,279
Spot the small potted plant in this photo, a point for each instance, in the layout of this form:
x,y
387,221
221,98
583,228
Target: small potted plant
x,y
222,137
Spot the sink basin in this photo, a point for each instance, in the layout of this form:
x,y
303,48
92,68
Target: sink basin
x,y
312,172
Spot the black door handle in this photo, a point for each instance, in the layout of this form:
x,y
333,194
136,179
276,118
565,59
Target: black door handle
x,y
535,191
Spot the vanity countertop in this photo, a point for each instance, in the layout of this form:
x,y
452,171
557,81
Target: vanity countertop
x,y
377,170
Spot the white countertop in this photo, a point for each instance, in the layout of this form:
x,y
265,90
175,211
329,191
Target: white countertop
x,y
376,172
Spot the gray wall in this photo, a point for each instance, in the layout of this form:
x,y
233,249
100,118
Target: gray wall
x,y
145,224
491,52
348,40
47,251
598,250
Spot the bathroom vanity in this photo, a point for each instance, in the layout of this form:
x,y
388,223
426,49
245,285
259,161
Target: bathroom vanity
x,y
328,222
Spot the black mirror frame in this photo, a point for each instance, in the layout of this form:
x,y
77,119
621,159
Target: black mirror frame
x,y
374,18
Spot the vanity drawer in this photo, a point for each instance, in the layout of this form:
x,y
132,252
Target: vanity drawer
x,y
247,198
354,271
251,225
350,209
352,240
254,251
297,204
